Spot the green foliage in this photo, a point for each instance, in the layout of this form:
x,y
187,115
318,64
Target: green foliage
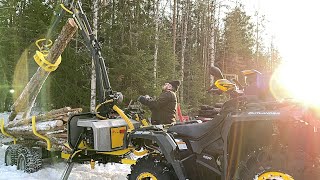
x,y
238,42
126,32
19,26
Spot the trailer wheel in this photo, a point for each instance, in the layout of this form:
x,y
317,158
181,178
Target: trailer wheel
x,y
149,168
278,163
29,160
11,154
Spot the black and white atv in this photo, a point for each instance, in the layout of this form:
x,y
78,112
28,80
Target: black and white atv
x,y
249,139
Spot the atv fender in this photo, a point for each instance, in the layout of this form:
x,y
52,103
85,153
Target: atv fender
x,y
168,147
260,135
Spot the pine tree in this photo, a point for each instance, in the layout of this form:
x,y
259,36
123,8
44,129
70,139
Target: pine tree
x,y
237,42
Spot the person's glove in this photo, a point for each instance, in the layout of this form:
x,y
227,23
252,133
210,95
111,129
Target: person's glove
x,y
147,97
142,99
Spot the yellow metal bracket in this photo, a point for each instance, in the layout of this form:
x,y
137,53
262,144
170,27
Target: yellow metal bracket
x,y
34,130
137,117
92,163
40,59
75,153
128,161
43,47
140,153
66,9
116,153
143,121
5,133
40,56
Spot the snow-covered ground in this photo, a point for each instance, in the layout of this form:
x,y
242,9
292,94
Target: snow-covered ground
x,y
4,116
53,171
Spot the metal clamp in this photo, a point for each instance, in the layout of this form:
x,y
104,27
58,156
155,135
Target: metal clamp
x,y
34,130
5,133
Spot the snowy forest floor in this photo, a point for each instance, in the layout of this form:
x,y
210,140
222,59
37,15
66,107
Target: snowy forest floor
x,y
53,171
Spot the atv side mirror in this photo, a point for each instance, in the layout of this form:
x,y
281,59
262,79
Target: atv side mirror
x,y
216,72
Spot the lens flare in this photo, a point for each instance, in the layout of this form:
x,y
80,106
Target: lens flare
x,y
297,80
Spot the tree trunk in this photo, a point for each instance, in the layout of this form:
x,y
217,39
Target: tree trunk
x,y
156,45
174,31
183,48
212,11
93,70
28,96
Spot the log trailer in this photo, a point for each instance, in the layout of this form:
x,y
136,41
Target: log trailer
x,y
91,136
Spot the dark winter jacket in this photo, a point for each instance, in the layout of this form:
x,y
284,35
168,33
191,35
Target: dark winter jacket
x,y
163,108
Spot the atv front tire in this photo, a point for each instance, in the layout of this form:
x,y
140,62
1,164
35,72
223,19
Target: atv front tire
x,y
287,162
150,168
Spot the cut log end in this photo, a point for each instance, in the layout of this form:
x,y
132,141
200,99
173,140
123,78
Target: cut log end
x,y
72,22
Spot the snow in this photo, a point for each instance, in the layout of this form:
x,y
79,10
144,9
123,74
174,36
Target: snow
x,y
53,171
5,116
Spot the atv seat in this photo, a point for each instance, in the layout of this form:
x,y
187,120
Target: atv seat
x,y
196,130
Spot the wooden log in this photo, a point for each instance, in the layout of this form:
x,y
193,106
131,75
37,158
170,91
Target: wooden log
x,y
57,140
41,126
28,135
33,137
58,111
27,98
63,112
60,135
65,119
56,131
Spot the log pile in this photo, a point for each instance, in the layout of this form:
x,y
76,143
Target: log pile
x,y
52,124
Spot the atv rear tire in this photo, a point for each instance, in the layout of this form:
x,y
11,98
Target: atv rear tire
x,y
149,168
293,162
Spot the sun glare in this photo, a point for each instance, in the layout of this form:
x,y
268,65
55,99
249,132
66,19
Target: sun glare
x,y
297,80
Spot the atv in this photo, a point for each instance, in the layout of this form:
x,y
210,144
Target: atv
x,y
249,139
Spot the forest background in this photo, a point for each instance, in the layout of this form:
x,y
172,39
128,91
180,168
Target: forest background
x,y
144,42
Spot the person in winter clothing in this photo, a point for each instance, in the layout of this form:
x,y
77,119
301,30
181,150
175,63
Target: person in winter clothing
x,y
164,107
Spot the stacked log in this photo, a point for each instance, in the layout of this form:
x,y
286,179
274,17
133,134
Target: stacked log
x,y
52,125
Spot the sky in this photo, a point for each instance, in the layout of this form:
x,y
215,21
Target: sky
x,y
294,25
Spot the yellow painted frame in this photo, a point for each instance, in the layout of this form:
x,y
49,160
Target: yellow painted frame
x,y
5,133
34,130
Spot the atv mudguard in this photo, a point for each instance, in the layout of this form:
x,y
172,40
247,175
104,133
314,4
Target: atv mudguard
x,y
245,131
168,147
